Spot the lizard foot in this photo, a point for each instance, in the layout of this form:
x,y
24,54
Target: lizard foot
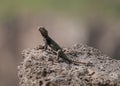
x,y
39,47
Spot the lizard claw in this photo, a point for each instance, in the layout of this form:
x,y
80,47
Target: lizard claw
x,y
41,47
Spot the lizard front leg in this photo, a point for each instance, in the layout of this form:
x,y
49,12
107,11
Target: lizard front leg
x,y
58,54
45,44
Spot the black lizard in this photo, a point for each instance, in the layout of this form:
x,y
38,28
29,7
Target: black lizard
x,y
53,45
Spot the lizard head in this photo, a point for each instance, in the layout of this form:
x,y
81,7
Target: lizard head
x,y
43,31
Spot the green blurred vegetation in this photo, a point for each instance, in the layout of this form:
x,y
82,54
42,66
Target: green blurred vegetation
x,y
79,7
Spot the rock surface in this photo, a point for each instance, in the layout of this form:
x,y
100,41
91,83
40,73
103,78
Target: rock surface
x,y
40,68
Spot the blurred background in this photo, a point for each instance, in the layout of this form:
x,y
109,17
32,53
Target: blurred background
x,y
94,22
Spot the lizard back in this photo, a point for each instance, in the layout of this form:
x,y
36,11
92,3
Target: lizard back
x,y
52,44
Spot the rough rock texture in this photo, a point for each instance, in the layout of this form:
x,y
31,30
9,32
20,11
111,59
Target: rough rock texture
x,y
40,68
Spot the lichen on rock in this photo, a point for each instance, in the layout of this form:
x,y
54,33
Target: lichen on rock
x,y
40,68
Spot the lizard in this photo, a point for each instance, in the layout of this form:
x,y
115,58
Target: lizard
x,y
53,45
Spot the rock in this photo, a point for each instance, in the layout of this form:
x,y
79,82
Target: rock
x,y
40,68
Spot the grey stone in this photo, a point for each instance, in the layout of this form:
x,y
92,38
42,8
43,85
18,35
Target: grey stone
x,y
40,68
